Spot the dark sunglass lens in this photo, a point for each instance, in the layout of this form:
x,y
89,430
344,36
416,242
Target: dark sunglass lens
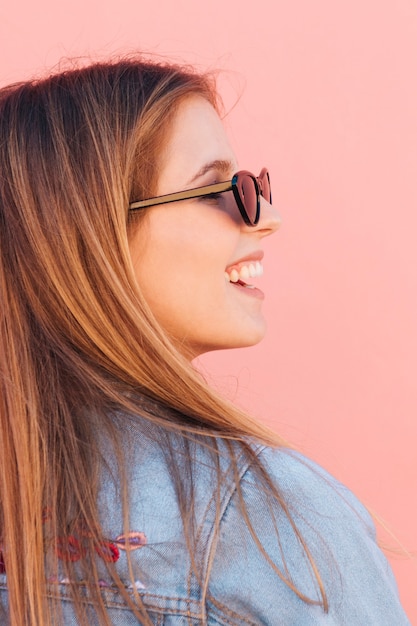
x,y
248,193
265,185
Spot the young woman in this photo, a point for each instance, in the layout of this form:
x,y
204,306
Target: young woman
x,y
129,491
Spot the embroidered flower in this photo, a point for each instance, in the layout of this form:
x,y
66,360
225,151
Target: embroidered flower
x,y
107,551
69,548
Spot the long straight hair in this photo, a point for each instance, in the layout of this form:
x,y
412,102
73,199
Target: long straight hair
x,y
78,343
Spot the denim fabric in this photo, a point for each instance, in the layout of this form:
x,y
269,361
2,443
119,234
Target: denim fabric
x,y
242,588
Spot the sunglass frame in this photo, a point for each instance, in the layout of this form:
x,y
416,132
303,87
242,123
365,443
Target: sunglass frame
x,y
235,185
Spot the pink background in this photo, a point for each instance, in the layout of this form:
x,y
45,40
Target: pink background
x,y
329,102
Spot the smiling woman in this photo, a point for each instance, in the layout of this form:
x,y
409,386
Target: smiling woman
x,y
129,491
188,255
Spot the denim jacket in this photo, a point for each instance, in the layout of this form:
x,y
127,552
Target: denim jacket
x,y
242,587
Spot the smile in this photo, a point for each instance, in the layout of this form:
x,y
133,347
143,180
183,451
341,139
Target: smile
x,y
244,271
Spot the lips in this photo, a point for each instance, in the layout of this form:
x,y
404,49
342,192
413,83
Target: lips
x,y
244,269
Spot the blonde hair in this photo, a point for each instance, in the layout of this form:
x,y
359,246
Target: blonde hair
x,y
78,343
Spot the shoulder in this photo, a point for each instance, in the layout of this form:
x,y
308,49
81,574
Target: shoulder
x,y
265,567
309,487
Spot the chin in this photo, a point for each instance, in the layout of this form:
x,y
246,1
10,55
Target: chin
x,y
252,341
252,335
233,341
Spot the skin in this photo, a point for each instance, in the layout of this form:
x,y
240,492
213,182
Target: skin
x,y
180,251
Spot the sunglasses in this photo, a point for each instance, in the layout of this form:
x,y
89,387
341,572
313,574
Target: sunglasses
x,y
247,191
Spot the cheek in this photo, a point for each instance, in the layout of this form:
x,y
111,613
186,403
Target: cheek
x,y
180,270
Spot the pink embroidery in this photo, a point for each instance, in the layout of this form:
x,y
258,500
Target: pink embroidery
x,y
69,548
107,551
133,540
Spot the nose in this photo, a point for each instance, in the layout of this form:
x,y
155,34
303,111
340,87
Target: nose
x,y
269,219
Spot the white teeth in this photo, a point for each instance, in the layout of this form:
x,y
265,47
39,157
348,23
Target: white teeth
x,y
252,270
245,273
234,276
259,268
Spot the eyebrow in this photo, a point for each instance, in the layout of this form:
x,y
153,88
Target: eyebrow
x,y
222,166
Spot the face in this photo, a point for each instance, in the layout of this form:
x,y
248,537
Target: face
x,y
189,254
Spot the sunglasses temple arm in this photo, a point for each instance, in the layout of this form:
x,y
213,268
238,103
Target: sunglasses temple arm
x,y
188,194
